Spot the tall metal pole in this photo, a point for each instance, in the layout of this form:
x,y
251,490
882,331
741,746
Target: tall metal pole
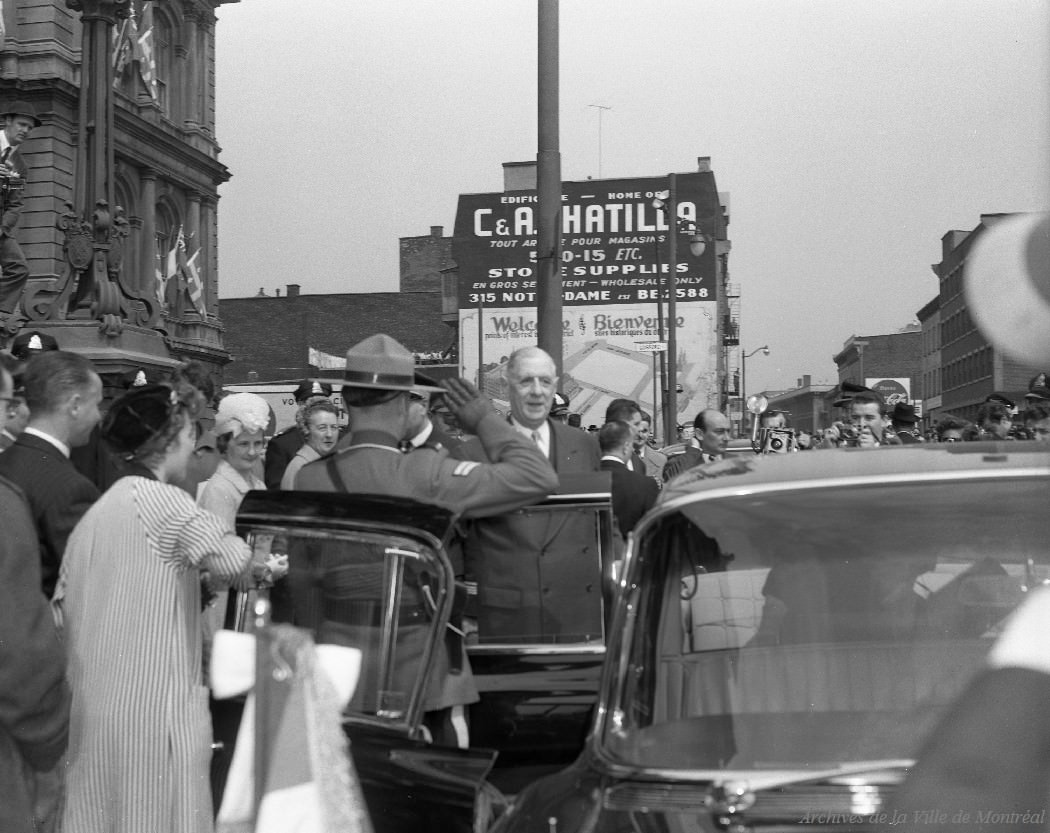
x,y
743,390
671,412
548,165
481,351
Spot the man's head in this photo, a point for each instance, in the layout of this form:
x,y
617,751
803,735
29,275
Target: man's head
x,y
560,408
616,439
310,388
63,393
19,120
951,430
773,419
15,411
1037,421
711,429
625,410
379,376
645,432
532,381
994,420
865,410
903,416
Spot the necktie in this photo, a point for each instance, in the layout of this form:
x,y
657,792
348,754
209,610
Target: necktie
x,y
5,155
536,438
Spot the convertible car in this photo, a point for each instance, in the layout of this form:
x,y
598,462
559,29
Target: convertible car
x,y
785,638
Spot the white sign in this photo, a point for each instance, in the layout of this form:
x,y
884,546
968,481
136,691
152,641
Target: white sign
x,y
651,346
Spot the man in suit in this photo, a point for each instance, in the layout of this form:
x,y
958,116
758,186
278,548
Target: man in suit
x,y
19,119
708,445
633,493
34,697
63,392
537,576
652,459
627,410
422,429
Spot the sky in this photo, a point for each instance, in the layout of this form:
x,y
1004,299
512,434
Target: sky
x,y
850,137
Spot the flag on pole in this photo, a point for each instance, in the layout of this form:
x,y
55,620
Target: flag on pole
x,y
161,278
195,284
143,51
122,48
171,269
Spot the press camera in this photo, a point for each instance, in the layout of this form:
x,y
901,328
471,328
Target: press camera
x,y
768,440
775,441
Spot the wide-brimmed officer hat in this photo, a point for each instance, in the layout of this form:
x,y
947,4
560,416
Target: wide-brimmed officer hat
x,y
380,362
21,108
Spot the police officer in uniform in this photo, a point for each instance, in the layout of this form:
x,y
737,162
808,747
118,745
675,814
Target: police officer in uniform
x,y
377,383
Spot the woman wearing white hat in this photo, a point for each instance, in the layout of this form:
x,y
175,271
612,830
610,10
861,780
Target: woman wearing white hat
x,y
239,424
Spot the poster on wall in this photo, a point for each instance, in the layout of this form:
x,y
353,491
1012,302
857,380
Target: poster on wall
x,y
615,283
608,354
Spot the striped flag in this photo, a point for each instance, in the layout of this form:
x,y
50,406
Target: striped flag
x,y
194,282
143,51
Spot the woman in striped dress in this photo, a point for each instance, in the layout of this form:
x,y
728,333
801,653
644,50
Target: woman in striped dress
x,y
129,599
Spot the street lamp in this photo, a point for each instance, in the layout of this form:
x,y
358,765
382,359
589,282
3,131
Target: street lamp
x,y
667,201
743,378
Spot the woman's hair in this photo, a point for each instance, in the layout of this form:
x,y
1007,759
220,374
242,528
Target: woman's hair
x,y
950,423
142,423
308,409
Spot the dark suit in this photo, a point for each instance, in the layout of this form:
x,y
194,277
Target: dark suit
x,y
57,493
633,494
13,269
34,711
280,450
537,573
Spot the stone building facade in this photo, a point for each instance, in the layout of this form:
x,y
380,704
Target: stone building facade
x,y
165,155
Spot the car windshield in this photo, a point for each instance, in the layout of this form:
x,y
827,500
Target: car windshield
x,y
801,629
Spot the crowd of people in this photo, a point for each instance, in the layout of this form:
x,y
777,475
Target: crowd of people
x,y
116,510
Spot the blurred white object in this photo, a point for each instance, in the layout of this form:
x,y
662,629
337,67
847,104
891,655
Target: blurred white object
x,y
1008,286
233,666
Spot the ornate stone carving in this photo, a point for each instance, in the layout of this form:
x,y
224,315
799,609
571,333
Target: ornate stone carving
x,y
93,285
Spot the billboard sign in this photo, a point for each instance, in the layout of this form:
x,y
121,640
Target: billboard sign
x,y
892,391
614,277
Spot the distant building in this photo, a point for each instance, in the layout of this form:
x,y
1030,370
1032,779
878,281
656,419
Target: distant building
x,y
807,405
929,392
270,337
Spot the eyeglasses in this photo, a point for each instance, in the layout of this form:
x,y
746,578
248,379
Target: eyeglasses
x,y
951,440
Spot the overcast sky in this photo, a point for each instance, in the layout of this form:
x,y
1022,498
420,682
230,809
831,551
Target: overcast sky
x,y
850,137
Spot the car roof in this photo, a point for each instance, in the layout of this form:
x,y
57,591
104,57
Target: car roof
x,y
810,467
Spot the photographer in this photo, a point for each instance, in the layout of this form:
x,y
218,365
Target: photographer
x,y
19,120
868,426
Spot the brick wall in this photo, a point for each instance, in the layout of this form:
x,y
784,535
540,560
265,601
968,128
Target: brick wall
x,y
271,336
422,259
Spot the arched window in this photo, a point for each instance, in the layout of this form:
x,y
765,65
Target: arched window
x,y
164,59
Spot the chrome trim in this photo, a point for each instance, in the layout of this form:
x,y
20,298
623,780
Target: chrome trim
x,y
537,650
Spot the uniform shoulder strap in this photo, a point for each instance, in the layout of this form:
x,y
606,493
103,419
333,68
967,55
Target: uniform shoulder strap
x,y
334,474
